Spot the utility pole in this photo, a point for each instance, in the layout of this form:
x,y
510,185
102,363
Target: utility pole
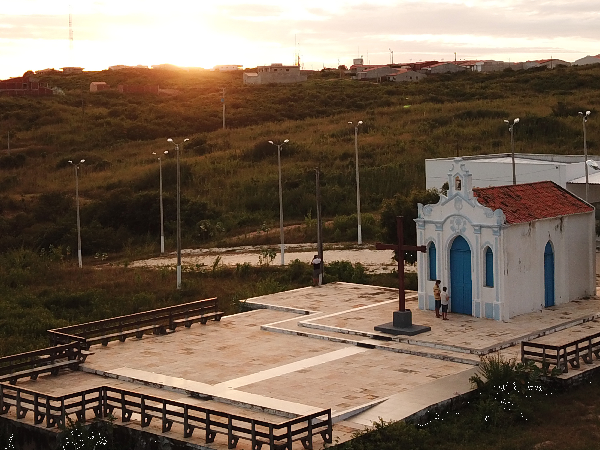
x,y
223,101
319,226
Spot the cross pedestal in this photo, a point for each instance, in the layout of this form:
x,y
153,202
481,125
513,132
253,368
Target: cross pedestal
x,y
402,319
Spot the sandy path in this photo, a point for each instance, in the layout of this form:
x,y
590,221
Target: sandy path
x,y
375,261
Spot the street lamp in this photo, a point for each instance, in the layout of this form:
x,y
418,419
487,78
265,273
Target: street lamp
x,y
178,212
585,118
512,145
280,197
162,228
357,180
76,167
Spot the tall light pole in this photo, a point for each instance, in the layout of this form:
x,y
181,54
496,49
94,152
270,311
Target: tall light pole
x,y
512,146
162,227
76,167
280,198
223,101
178,212
357,180
585,118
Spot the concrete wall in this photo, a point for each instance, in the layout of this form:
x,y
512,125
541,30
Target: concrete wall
x,y
275,77
496,170
409,76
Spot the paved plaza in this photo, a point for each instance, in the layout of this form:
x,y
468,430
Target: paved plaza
x,y
300,351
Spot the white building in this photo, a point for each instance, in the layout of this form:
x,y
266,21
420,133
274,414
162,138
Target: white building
x,y
587,60
275,73
506,250
496,170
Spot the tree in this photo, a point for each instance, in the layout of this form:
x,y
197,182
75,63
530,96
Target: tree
x,y
406,206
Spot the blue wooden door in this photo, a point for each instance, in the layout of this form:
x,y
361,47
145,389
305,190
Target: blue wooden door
x,y
548,275
460,277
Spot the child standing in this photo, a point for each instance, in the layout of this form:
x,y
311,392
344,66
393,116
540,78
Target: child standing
x,y
445,302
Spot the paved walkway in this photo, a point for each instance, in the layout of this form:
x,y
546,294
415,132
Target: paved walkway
x,y
315,348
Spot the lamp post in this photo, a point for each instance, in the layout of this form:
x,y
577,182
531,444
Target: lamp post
x,y
585,118
76,167
178,212
162,228
512,146
357,180
280,198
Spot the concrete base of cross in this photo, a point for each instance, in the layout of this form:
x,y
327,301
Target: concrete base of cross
x,y
402,325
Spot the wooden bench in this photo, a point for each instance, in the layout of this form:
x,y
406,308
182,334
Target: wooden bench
x,y
48,360
158,321
561,356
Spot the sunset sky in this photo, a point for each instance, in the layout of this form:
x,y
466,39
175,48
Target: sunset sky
x,y
202,33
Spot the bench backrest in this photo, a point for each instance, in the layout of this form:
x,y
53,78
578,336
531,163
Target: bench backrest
x,y
30,360
158,317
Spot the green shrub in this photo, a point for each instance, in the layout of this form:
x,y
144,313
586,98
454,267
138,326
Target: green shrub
x,y
344,271
299,272
12,161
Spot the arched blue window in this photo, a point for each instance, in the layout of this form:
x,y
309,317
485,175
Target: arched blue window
x,y
431,253
489,267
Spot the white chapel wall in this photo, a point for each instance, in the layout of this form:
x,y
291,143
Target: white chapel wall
x,y
523,266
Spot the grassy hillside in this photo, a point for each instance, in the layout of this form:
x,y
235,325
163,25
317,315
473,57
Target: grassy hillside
x,y
229,177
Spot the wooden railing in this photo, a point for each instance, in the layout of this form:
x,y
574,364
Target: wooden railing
x,y
562,355
46,360
105,401
157,321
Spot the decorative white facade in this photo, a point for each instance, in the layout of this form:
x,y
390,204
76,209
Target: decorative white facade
x,y
535,252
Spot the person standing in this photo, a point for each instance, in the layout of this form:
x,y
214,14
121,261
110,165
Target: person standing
x,y
437,297
316,263
445,303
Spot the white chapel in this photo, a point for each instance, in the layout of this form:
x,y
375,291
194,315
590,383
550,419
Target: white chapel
x,y
505,250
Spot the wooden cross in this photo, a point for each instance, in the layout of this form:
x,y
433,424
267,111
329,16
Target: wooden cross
x,y
400,249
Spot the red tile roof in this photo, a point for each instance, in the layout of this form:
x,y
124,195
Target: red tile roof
x,y
531,201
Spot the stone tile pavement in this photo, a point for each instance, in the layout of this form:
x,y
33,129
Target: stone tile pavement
x,y
315,348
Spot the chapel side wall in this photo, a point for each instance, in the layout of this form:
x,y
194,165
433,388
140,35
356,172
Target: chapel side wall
x,y
524,262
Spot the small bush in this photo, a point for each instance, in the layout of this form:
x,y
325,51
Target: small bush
x,y
12,161
345,271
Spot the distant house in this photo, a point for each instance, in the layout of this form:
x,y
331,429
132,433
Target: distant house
x,y
444,67
553,63
228,68
489,65
138,89
587,60
45,71
121,67
375,73
71,69
405,75
530,65
26,85
275,73
96,86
